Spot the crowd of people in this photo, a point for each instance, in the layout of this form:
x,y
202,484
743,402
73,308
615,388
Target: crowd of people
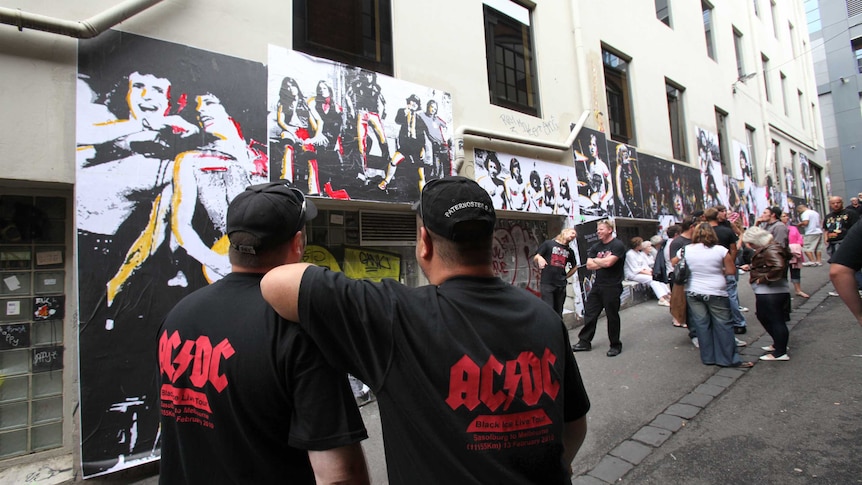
x,y
466,333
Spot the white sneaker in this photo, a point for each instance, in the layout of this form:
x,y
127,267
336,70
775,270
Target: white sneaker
x,y
695,343
772,357
740,343
743,309
833,293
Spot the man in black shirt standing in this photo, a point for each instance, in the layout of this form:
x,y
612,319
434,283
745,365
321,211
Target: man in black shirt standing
x,y
553,257
607,258
717,218
837,223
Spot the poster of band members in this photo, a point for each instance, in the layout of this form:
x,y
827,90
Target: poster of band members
x,y
527,185
709,162
595,179
344,132
166,136
627,180
657,186
743,171
805,178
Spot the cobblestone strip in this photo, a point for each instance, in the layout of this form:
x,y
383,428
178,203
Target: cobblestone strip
x,y
628,454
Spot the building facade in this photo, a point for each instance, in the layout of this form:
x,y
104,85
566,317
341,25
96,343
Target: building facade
x,y
835,27
121,150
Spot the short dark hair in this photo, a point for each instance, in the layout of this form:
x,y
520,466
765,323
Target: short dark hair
x,y
672,231
687,222
474,251
776,211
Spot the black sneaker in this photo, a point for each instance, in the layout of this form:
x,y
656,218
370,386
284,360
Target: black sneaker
x,y
582,347
740,330
614,351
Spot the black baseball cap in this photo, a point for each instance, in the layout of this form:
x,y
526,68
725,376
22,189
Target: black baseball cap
x,y
446,203
273,212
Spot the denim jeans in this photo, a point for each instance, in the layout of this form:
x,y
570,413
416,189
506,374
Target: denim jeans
x,y
733,296
711,318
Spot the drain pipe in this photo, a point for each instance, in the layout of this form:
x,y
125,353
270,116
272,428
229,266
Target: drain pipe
x,y
84,29
463,130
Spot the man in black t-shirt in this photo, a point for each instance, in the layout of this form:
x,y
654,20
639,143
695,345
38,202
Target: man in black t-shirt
x,y
844,269
247,397
553,257
717,218
607,258
837,223
474,377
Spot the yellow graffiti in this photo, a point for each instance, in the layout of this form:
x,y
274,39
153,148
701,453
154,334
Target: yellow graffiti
x,y
363,263
320,256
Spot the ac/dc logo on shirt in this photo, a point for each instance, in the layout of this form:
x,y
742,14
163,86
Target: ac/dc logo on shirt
x,y
197,357
496,383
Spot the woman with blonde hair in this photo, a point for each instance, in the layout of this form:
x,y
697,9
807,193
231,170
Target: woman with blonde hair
x,y
772,292
707,299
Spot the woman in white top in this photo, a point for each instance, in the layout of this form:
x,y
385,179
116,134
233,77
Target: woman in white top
x,y
638,268
706,296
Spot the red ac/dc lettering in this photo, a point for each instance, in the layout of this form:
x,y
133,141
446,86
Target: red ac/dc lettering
x,y
199,355
496,384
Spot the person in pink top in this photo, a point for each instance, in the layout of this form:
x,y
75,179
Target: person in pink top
x,y
795,243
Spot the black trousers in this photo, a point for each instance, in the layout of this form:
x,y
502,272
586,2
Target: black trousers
x,y
605,298
554,296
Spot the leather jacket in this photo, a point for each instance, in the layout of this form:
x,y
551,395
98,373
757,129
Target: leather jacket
x,y
769,263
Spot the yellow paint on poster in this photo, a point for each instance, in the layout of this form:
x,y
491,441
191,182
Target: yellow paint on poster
x,y
363,263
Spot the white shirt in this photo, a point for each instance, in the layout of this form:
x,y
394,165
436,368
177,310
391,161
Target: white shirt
x,y
707,269
813,219
635,262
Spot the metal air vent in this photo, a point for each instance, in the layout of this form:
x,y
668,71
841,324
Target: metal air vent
x,y
387,228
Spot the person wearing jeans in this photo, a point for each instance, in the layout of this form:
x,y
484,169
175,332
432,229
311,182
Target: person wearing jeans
x,y
709,309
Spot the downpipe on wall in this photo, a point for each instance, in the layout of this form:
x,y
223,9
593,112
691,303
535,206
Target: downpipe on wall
x,y
83,29
463,130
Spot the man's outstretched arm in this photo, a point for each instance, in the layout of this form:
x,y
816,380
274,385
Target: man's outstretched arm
x,y
340,466
844,280
280,288
573,437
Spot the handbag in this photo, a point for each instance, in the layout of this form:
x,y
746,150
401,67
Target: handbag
x,y
681,271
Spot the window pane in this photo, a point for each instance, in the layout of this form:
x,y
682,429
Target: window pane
x,y
48,383
13,415
511,71
356,32
50,436
45,410
707,28
662,11
14,389
13,443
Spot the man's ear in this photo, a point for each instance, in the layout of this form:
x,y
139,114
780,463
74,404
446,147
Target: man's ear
x,y
426,246
297,247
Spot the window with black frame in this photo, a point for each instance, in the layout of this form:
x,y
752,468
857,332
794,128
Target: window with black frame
x,y
355,32
619,101
511,63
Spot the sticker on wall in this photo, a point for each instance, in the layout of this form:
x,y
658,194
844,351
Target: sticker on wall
x,y
46,359
14,336
48,307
